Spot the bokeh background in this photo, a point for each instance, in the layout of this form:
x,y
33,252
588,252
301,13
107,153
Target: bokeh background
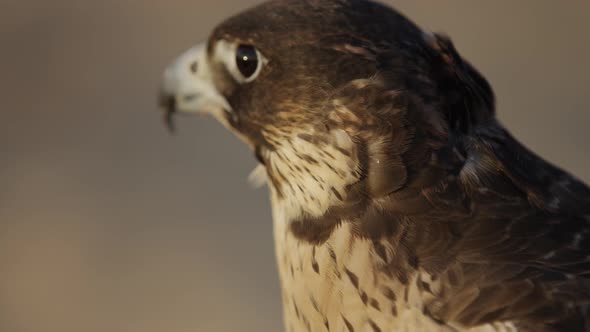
x,y
107,223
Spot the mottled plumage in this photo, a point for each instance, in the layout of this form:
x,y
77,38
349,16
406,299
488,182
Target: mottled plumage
x,y
399,201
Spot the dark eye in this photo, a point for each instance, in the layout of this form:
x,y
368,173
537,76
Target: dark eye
x,y
247,60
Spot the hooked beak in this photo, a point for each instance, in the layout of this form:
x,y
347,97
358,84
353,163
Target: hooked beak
x,y
168,105
188,87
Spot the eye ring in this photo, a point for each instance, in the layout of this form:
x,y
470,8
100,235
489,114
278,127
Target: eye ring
x,y
244,62
248,61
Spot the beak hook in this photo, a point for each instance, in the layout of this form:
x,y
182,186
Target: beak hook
x,y
168,104
169,121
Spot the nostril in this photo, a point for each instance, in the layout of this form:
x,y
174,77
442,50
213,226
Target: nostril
x,y
194,67
190,97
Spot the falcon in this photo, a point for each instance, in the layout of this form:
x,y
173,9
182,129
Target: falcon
x,y
399,201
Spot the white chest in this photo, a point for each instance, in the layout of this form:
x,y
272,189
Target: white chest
x,y
336,287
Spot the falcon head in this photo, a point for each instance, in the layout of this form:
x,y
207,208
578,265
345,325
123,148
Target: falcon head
x,y
343,101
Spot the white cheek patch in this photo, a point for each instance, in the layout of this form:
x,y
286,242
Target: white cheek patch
x,y
315,176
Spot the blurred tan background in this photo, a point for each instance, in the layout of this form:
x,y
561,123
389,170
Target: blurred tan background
x,y
107,223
